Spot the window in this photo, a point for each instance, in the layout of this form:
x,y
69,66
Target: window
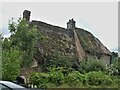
x,y
3,87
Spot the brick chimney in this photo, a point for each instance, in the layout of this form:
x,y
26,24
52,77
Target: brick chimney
x,y
71,24
26,15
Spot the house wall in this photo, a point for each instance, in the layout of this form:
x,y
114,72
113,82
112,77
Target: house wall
x,y
104,58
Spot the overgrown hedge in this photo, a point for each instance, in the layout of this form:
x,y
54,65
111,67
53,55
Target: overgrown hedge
x,y
98,78
74,78
39,79
56,78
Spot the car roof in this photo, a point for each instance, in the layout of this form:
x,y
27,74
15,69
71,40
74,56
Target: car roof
x,y
10,84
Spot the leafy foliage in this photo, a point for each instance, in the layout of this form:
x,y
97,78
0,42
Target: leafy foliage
x,y
74,78
19,49
91,65
23,37
98,78
56,77
6,44
114,69
10,64
64,70
39,79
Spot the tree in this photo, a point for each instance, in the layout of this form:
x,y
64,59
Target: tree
x,y
19,49
6,44
24,37
10,64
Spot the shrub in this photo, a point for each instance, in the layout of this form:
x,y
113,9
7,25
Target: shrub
x,y
56,77
64,70
113,69
11,61
75,66
98,78
39,79
91,65
74,78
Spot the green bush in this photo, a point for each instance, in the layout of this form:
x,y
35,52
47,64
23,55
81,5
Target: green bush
x,y
39,79
56,77
114,69
64,70
74,78
98,78
91,65
11,61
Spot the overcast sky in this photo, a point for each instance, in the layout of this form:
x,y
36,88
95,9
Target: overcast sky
x,y
100,18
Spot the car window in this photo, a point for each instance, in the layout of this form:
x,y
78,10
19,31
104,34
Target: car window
x,y
3,87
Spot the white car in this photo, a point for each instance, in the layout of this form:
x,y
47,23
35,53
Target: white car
x,y
6,85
